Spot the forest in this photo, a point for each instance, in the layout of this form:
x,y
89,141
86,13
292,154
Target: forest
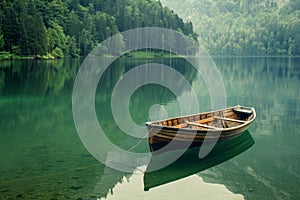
x,y
243,27
72,28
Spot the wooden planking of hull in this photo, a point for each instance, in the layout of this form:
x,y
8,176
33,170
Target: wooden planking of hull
x,y
190,131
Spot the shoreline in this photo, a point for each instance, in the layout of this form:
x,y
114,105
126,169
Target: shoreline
x,y
6,56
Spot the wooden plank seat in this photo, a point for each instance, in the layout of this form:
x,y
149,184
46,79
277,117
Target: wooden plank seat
x,y
202,121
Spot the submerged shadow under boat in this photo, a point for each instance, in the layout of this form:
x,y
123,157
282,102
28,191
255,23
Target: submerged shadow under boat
x,y
189,163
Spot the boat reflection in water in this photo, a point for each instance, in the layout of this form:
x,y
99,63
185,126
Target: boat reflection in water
x,y
189,163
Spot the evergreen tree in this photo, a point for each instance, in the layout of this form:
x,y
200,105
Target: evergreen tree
x,y
33,38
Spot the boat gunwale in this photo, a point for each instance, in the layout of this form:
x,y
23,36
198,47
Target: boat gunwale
x,y
191,136
204,130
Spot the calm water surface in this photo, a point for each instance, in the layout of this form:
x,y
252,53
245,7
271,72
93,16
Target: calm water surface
x,y
42,157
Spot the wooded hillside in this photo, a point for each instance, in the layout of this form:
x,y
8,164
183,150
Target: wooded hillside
x,y
243,27
66,28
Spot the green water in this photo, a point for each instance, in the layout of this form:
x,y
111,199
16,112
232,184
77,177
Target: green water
x,y
42,157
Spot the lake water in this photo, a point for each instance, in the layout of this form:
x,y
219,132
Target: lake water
x,y
42,156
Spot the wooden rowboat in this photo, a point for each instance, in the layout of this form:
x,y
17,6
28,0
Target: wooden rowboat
x,y
191,131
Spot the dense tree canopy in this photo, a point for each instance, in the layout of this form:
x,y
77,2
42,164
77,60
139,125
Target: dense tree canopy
x,y
244,27
74,27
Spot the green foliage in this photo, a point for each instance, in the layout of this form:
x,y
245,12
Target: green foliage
x,y
56,35
71,28
1,37
244,27
16,50
71,47
58,53
33,38
1,41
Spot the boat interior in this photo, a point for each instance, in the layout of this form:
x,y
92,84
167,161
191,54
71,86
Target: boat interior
x,y
227,118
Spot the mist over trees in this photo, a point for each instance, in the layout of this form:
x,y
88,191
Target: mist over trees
x,y
71,28
244,27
